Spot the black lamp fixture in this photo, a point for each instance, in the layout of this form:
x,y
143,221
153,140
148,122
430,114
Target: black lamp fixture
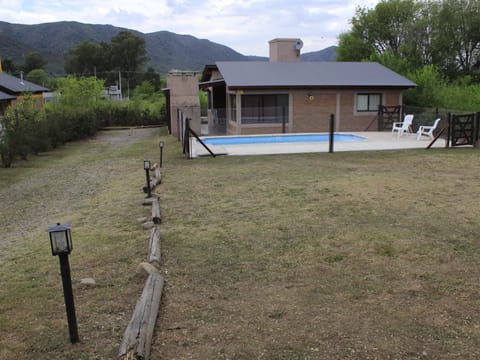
x,y
61,244
146,165
161,144
60,238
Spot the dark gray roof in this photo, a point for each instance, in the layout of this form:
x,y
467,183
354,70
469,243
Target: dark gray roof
x,y
13,85
243,74
4,96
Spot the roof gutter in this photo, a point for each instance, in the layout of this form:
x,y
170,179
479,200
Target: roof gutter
x,y
213,83
327,87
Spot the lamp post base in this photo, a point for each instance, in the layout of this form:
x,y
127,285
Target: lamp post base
x,y
68,295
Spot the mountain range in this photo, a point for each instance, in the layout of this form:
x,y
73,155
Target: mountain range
x,y
165,50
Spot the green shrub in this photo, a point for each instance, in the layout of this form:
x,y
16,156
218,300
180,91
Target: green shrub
x,y
79,113
131,113
434,91
24,131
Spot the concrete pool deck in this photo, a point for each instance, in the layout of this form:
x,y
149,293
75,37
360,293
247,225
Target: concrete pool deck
x,y
373,141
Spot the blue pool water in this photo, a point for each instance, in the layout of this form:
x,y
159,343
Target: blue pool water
x,y
277,139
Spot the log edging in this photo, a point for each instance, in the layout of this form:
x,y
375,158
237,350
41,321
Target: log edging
x,y
137,339
138,335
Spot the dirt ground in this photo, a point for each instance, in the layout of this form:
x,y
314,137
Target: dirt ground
x,y
79,181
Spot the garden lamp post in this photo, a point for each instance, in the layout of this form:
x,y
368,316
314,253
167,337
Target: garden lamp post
x,y
161,144
146,166
61,243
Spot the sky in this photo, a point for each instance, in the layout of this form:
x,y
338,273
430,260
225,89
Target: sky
x,y
243,25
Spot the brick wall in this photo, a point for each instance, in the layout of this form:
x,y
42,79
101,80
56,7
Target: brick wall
x,y
349,120
311,111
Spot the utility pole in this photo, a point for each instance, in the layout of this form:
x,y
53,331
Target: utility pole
x,y
120,83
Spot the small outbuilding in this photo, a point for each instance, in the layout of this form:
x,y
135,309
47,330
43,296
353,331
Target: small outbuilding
x,y
13,88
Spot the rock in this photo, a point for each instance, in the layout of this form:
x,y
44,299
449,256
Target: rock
x,y
146,269
89,282
148,225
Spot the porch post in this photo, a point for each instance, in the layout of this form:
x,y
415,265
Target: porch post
x,y
238,112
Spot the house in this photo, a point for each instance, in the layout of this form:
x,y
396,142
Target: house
x,y
285,94
13,88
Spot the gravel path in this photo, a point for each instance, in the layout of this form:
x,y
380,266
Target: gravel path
x,y
45,193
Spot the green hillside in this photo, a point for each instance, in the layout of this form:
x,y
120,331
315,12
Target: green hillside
x,y
165,50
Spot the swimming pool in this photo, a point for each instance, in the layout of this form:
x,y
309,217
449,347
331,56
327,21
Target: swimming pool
x,y
278,139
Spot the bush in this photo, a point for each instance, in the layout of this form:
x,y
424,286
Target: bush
x,y
434,91
132,113
79,113
24,131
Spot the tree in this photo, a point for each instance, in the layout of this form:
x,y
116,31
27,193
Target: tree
x,y
457,41
353,47
144,91
9,66
34,61
128,52
153,77
87,58
38,76
385,28
444,33
81,93
128,55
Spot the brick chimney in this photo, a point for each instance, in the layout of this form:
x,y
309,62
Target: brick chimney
x,y
285,50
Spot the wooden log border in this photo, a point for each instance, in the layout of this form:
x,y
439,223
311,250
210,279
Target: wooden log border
x,y
154,252
137,338
156,212
155,178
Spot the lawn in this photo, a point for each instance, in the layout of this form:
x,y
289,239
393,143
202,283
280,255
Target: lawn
x,y
317,256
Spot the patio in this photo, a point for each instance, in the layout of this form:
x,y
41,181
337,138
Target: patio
x,y
373,141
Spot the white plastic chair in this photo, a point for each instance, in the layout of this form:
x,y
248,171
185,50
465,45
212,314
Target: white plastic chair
x,y
427,130
404,126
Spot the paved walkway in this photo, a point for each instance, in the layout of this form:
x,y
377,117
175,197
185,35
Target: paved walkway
x,y
373,141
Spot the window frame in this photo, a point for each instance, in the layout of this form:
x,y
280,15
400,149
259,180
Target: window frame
x,y
369,108
281,100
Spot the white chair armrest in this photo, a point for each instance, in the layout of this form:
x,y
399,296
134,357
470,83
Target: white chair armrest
x,y
426,127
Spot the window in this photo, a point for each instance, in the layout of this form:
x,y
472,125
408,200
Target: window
x,y
264,109
233,107
368,102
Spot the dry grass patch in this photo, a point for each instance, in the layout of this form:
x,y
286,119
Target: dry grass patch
x,y
320,256
97,186
350,255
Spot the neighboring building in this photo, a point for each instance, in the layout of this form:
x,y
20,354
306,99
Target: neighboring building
x,y
5,101
287,95
13,88
113,93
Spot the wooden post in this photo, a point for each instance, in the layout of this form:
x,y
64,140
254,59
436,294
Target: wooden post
x,y
331,134
158,174
154,251
137,338
186,139
149,201
156,179
438,136
156,212
380,118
